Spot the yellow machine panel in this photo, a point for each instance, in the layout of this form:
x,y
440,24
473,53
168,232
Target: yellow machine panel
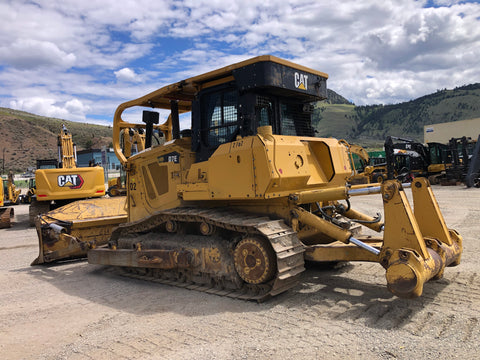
x,y
1,192
76,183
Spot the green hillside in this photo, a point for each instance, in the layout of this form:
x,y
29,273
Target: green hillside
x,y
372,123
26,137
333,120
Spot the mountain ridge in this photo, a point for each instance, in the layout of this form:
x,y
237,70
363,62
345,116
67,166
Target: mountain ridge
x,y
26,137
370,124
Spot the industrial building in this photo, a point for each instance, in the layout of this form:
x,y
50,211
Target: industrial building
x,y
443,132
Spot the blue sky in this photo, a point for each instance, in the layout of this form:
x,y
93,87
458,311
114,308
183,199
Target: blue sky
x,y
79,60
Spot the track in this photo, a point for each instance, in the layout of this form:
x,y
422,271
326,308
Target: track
x,y
223,229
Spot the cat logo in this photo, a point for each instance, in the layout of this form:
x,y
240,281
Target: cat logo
x,y
73,181
301,81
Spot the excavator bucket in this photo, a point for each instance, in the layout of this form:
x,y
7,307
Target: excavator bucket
x,y
70,231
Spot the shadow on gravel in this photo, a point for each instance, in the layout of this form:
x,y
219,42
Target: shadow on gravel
x,y
336,294
21,218
341,294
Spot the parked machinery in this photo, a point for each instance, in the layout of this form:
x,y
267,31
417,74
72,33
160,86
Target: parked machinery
x,y
473,173
464,163
69,231
12,194
9,195
235,205
363,172
56,187
446,164
6,213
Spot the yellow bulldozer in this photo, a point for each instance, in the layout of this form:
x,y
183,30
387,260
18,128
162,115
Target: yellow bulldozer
x,y
67,183
236,204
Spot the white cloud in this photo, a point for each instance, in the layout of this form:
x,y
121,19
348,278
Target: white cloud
x,y
126,74
33,54
39,105
75,106
91,58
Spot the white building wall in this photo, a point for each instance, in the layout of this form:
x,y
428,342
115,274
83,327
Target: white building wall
x,y
443,132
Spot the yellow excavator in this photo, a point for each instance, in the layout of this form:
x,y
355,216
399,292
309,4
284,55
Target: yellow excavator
x,y
235,205
67,183
12,194
69,231
365,174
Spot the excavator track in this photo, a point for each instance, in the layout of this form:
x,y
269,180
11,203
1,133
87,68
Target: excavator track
x,y
233,235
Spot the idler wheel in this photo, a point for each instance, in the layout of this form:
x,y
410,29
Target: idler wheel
x,y
255,260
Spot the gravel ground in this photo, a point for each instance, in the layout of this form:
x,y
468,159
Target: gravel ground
x,y
80,311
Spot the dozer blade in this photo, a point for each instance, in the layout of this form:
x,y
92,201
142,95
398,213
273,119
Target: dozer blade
x,y
71,230
6,217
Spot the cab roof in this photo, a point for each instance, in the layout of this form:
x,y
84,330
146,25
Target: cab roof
x,y
184,91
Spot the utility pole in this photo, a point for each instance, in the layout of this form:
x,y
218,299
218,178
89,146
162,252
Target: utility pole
x,y
3,162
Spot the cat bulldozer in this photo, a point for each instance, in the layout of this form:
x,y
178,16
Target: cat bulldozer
x,y
60,186
238,203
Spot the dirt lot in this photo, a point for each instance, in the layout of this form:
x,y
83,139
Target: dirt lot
x,y
82,311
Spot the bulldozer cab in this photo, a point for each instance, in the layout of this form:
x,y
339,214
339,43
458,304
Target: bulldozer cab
x,y
260,94
233,102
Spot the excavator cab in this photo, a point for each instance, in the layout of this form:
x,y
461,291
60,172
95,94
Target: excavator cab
x,y
237,203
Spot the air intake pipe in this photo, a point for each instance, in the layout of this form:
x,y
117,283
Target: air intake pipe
x,y
149,118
